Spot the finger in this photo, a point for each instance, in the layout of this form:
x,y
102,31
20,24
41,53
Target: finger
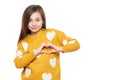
x,y
43,51
52,51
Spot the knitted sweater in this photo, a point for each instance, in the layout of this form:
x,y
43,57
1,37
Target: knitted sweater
x,y
44,66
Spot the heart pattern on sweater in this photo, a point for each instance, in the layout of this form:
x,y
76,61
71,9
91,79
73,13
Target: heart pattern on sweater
x,y
50,35
53,62
71,42
66,42
27,72
25,46
46,76
19,54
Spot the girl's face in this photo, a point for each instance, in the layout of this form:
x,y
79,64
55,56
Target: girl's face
x,y
35,22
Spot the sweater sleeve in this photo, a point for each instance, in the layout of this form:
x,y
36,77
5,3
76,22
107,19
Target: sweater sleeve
x,y
68,44
23,57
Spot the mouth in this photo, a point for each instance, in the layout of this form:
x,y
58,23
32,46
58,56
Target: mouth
x,y
33,28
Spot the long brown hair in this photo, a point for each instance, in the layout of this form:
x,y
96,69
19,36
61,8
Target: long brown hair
x,y
26,17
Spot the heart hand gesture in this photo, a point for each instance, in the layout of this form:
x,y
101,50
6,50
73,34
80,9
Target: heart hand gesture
x,y
53,47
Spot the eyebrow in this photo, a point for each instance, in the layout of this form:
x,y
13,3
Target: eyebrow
x,y
36,18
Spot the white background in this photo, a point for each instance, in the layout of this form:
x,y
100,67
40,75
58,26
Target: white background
x,y
94,23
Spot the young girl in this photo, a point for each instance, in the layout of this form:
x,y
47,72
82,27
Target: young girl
x,y
38,48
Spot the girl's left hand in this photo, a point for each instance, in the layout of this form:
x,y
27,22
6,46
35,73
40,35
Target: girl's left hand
x,y
54,48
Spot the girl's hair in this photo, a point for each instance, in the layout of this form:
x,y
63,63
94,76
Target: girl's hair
x,y
26,17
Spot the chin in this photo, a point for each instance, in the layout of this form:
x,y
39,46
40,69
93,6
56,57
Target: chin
x,y
34,31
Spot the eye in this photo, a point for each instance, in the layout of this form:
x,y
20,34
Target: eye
x,y
37,19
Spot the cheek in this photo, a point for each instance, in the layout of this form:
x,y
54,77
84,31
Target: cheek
x,y
40,23
28,26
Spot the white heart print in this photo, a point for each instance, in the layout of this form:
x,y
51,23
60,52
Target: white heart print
x,y
27,72
53,62
71,42
47,76
19,53
50,35
64,42
25,46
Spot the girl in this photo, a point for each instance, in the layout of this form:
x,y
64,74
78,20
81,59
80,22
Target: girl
x,y
38,48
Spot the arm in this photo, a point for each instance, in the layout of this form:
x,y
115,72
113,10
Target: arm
x,y
68,44
63,43
23,58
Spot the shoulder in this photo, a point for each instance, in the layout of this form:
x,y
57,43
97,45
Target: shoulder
x,y
54,30
24,41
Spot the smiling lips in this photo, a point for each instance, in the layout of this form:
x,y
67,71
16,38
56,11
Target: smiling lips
x,y
33,28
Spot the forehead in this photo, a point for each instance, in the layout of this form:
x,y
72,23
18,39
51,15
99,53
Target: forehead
x,y
35,15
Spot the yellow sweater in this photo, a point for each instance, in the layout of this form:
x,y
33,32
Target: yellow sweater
x,y
45,66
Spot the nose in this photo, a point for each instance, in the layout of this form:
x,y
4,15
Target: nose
x,y
33,22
